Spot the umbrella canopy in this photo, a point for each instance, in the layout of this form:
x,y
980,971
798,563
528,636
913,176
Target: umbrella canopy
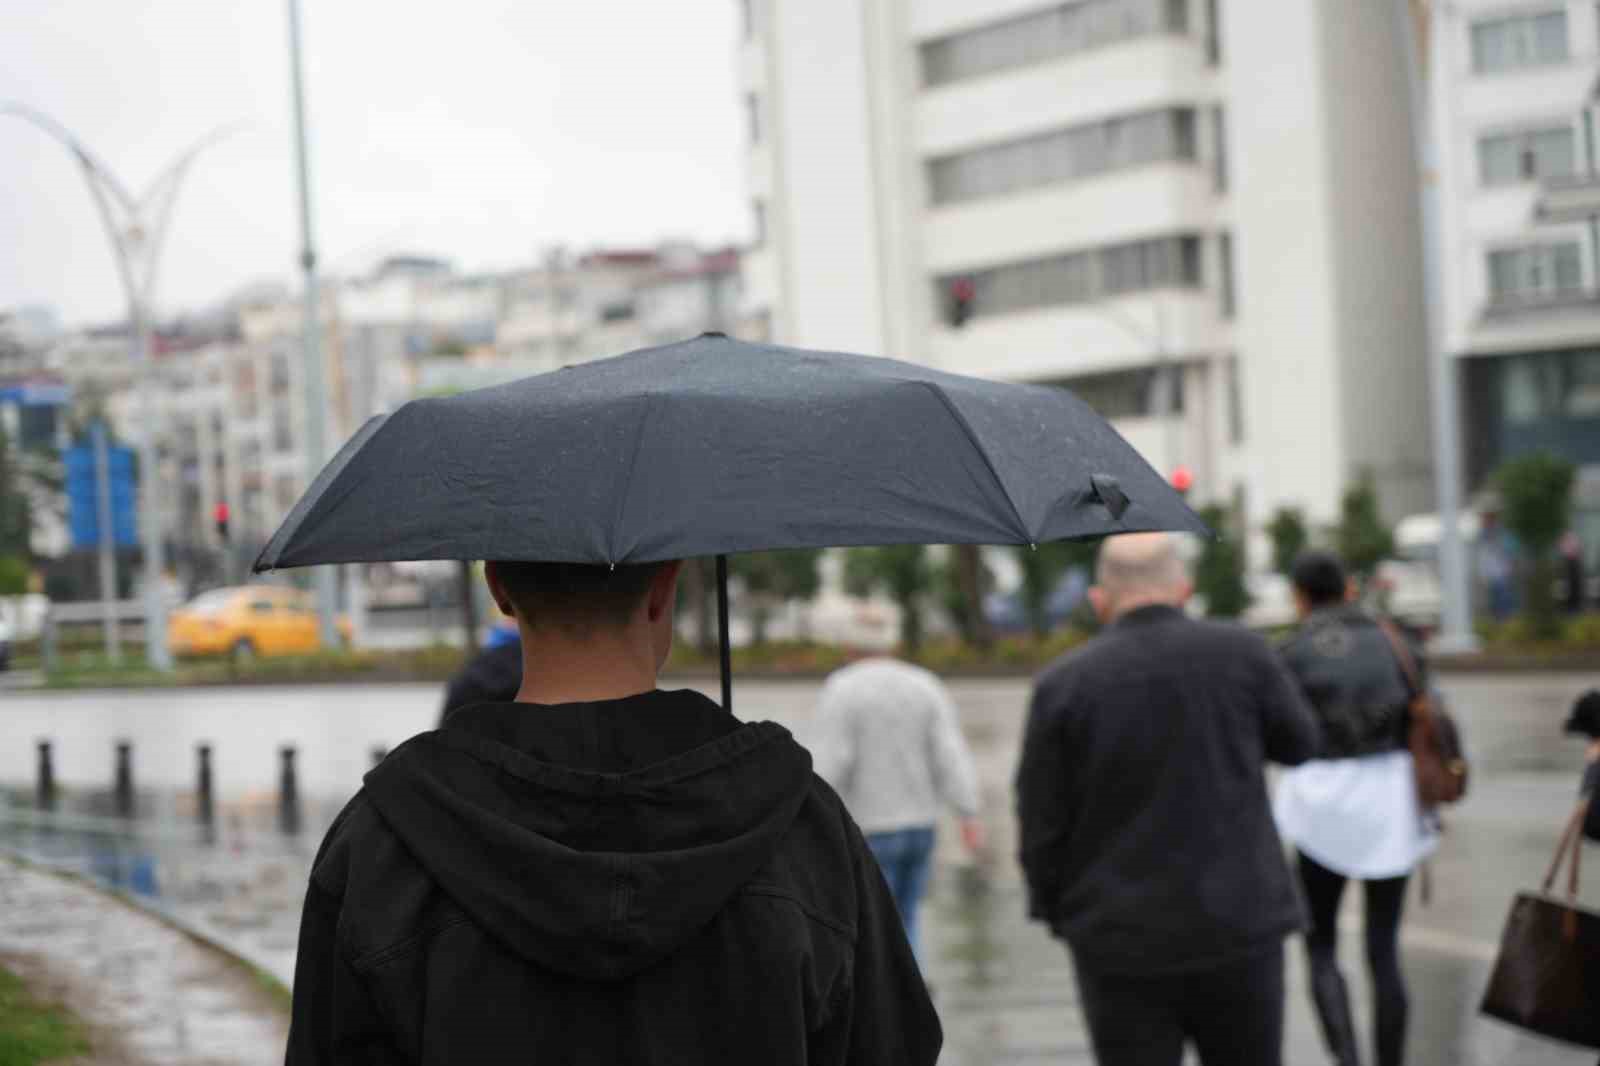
x,y
713,446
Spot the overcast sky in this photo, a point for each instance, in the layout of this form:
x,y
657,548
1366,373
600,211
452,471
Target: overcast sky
x,y
480,130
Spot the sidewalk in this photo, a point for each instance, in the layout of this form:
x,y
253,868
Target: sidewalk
x,y
148,993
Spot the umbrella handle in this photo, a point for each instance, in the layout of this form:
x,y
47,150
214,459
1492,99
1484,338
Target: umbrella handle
x,y
722,628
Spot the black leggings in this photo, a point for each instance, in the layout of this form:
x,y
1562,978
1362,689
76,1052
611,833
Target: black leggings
x,y
1385,903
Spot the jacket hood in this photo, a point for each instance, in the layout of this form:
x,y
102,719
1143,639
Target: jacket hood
x,y
593,838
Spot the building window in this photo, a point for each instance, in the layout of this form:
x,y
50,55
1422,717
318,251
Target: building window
x,y
758,212
1528,155
1063,155
752,111
1137,393
1046,35
1214,32
1081,276
1235,402
1227,296
1219,147
747,17
1519,41
1535,272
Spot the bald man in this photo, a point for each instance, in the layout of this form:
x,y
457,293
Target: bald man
x,y
1146,834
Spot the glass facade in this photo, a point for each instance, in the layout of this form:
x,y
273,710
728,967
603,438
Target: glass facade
x,y
1045,35
1081,276
1063,155
1532,401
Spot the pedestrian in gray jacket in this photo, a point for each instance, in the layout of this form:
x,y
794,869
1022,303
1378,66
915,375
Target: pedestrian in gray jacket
x,y
889,741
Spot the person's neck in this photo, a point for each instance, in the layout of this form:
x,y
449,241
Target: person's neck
x,y
603,667
1139,603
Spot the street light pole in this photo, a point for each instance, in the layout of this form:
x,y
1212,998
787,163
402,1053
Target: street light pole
x,y
136,228
1456,633
311,328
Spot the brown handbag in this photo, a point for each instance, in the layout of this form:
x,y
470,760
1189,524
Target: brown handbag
x,y
1437,758
1547,976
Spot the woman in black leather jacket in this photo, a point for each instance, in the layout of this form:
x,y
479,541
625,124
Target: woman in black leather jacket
x,y
1352,813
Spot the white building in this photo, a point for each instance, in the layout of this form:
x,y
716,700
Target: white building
x,y
1514,109
1203,207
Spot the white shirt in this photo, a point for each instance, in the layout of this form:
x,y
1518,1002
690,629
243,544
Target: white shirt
x,y
887,739
1357,817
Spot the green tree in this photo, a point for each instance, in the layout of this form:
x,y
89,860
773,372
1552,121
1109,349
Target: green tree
x,y
903,573
16,514
13,575
1536,506
1042,568
1289,537
1364,540
1219,572
960,581
772,579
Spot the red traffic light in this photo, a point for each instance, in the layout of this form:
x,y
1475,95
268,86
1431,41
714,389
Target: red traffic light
x,y
1182,478
220,512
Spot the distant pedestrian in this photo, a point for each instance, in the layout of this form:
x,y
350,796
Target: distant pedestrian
x,y
1497,568
1572,570
1352,813
1147,837
1585,721
888,739
493,675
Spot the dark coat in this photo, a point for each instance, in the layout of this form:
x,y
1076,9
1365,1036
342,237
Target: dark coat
x,y
1348,671
1147,837
645,880
492,676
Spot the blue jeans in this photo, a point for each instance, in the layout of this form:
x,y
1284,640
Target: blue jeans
x,y
906,858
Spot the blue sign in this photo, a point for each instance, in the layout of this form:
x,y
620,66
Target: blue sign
x,y
83,512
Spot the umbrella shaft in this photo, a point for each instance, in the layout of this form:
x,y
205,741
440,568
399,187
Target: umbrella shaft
x,y
726,648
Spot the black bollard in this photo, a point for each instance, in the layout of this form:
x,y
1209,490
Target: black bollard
x,y
124,791
46,797
288,794
204,809
379,753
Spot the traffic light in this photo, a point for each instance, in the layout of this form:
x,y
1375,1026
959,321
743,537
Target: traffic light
x,y
959,307
220,515
1183,479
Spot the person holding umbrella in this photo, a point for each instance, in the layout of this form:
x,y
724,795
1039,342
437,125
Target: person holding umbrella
x,y
602,870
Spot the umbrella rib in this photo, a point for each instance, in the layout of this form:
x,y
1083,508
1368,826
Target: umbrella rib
x,y
627,481
972,438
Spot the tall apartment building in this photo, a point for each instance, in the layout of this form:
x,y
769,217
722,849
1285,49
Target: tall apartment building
x,y
1198,214
1514,106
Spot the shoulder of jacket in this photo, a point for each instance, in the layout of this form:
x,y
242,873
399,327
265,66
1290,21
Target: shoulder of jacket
x,y
354,832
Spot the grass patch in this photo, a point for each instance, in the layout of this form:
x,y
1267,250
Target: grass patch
x,y
33,1032
94,670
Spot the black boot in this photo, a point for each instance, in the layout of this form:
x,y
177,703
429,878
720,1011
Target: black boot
x,y
1332,999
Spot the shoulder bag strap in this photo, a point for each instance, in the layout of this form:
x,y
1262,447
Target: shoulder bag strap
x,y
1402,654
1568,835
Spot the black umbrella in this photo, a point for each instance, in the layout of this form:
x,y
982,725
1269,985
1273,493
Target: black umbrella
x,y
713,446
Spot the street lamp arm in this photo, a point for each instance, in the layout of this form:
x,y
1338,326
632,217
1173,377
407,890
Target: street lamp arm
x,y
93,169
165,190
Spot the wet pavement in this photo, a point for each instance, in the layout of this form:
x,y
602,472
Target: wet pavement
x,y
148,993
1005,990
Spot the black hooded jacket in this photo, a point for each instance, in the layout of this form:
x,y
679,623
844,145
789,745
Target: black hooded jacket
x,y
645,880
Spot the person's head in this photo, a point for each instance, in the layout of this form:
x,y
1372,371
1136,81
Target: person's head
x,y
1319,580
573,602
1138,570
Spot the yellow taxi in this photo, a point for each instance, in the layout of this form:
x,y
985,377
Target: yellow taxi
x,y
246,621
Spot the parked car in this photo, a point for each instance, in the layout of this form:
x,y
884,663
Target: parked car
x,y
246,621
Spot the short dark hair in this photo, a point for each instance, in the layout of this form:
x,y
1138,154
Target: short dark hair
x,y
575,597
1320,577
